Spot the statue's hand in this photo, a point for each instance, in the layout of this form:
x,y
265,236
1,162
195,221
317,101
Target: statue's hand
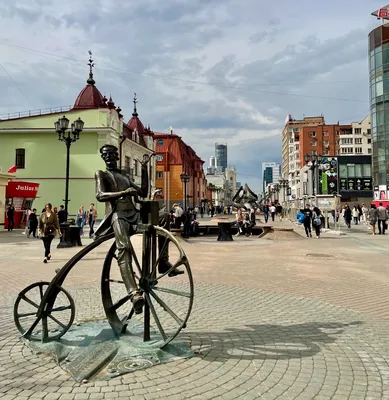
x,y
146,158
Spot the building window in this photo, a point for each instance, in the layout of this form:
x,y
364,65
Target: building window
x,y
358,131
358,140
337,142
358,150
160,142
337,152
326,143
313,152
312,134
337,133
347,150
313,143
347,141
326,152
326,134
368,141
127,162
161,193
159,157
159,174
20,158
369,151
136,168
369,131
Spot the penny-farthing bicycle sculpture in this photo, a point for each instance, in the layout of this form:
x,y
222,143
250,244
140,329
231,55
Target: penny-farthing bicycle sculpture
x,y
44,311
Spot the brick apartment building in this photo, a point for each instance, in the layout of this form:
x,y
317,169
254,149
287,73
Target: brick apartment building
x,y
321,140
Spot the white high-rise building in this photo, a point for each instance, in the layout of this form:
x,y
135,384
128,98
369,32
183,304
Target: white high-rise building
x,y
212,161
357,141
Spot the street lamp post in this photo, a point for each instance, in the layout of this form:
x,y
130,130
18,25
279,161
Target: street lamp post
x,y
313,161
185,179
68,136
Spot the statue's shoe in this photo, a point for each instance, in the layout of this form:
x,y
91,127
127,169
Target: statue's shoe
x,y
138,302
165,266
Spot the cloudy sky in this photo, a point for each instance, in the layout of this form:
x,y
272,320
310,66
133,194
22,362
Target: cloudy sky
x,y
216,70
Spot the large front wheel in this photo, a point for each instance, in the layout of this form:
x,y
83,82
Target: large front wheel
x,y
169,299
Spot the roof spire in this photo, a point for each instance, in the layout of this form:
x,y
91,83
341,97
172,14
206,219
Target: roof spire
x,y
91,64
135,113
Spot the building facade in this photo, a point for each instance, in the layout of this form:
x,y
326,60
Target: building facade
x,y
30,142
357,141
379,102
175,157
271,172
221,157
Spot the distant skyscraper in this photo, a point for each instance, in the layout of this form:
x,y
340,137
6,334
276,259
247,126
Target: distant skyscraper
x,y
212,161
270,173
221,156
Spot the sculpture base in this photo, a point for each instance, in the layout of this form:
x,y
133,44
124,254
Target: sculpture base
x,y
91,351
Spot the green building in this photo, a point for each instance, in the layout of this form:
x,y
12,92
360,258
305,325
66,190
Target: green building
x,y
29,141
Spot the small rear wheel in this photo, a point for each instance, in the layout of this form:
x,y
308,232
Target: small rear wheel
x,y
46,323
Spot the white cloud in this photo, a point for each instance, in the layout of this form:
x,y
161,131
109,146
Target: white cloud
x,y
284,47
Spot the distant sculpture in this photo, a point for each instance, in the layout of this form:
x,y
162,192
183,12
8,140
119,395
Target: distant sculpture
x,y
245,198
116,188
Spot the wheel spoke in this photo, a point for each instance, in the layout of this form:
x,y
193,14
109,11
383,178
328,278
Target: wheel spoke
x,y
156,319
26,315
61,308
180,262
25,298
32,327
167,308
114,281
135,258
171,291
161,252
120,302
57,322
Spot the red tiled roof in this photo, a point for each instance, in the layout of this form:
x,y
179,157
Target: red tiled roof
x,y
89,97
136,124
127,133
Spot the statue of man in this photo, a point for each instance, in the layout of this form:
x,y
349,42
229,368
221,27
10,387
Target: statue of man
x,y
116,188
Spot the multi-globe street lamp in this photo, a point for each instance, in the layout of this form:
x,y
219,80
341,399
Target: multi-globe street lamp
x,y
313,161
185,179
68,136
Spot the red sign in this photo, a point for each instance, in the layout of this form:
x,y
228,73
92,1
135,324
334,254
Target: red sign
x,y
27,190
383,13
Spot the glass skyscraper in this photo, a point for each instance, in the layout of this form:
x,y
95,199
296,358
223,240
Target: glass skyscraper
x,y
379,102
221,156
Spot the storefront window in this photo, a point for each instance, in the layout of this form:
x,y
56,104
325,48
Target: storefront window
x,y
366,168
342,171
350,171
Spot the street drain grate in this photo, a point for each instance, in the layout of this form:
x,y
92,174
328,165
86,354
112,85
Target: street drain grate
x,y
319,255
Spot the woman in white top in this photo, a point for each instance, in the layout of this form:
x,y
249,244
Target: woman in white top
x,y
355,215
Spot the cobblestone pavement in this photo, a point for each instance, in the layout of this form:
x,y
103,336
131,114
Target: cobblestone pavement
x,y
287,319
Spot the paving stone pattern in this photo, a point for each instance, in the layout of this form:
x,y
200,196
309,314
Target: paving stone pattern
x,y
256,340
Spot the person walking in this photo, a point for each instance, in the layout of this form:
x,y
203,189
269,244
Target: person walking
x,y
316,221
365,214
373,217
307,220
272,210
62,214
356,215
382,219
91,219
48,228
347,215
33,223
81,219
11,217
266,212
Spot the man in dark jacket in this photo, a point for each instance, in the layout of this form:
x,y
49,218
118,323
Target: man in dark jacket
x,y
62,215
307,220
